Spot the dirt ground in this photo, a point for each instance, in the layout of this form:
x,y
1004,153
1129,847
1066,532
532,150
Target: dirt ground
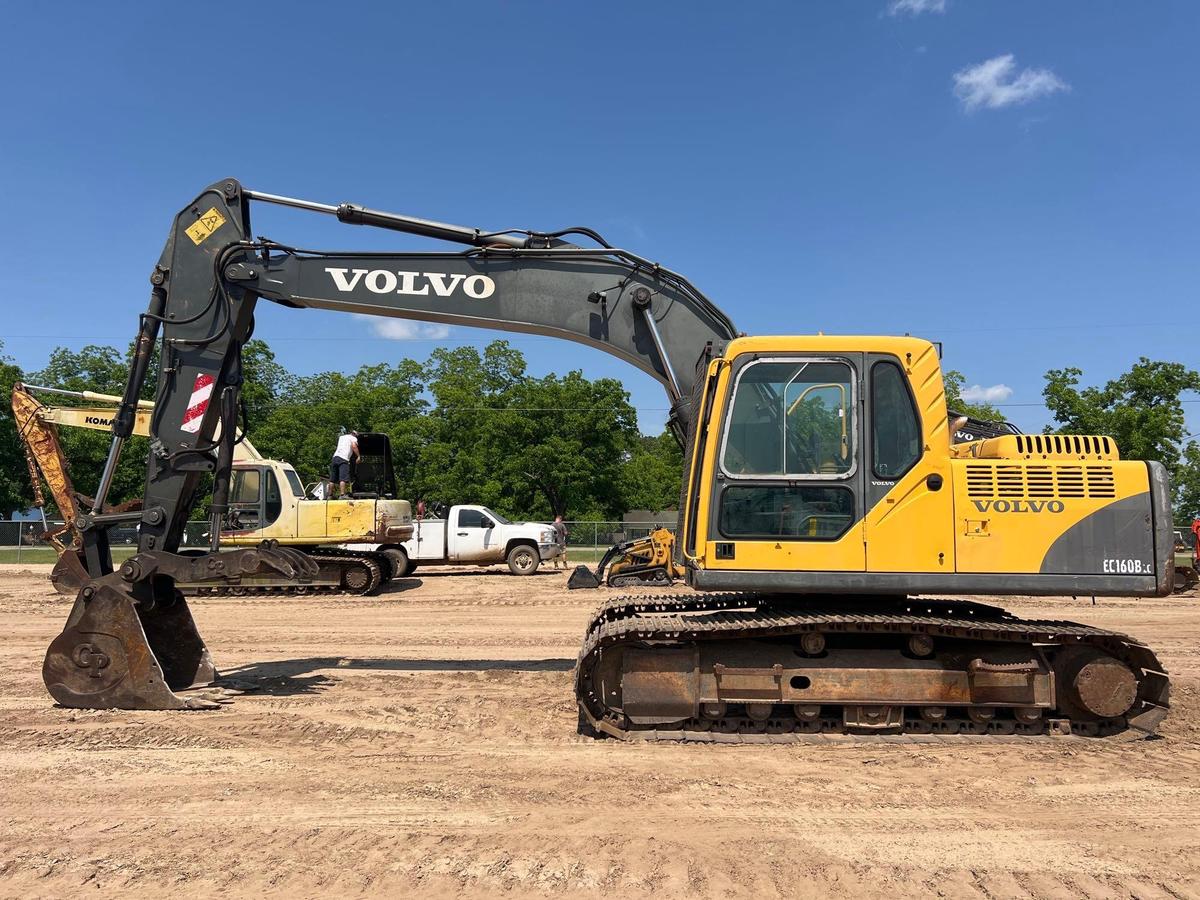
x,y
423,742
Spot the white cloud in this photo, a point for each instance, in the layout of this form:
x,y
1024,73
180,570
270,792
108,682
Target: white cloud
x,y
915,7
405,329
992,84
997,393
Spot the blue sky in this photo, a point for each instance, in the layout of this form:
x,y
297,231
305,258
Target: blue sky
x,y
856,167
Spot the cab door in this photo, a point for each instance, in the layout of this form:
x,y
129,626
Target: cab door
x,y
246,512
909,524
788,482
472,535
255,502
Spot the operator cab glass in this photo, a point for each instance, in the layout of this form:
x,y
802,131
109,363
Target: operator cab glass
x,y
791,421
294,482
791,418
254,499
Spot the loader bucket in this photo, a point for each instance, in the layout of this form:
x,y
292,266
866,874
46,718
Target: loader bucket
x,y
116,653
69,574
582,577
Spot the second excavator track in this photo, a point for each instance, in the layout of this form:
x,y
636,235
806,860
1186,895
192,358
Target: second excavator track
x,y
341,572
724,668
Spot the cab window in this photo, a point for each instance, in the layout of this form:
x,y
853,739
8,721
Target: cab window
x,y
471,518
245,486
895,428
295,483
793,513
274,504
792,418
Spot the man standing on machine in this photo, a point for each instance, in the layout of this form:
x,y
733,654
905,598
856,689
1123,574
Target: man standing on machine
x,y
339,466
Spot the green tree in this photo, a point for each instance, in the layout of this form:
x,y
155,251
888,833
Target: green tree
x,y
454,458
104,370
651,475
567,440
954,381
308,413
521,445
1187,484
265,381
1141,410
16,493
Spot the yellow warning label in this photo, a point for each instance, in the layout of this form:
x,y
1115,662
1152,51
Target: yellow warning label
x,y
205,225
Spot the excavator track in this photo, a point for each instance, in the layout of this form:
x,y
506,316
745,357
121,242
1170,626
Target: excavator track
x,y
341,572
747,668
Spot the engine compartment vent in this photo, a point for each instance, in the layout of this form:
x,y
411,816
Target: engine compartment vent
x,y
1077,447
1040,481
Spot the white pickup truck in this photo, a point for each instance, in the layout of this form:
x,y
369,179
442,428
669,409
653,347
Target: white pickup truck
x,y
473,536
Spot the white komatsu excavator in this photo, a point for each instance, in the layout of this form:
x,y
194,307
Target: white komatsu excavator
x,y
267,503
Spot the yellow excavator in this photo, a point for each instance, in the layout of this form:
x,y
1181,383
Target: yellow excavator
x,y
822,501
268,503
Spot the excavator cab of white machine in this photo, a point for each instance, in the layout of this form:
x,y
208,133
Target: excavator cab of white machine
x,y
374,476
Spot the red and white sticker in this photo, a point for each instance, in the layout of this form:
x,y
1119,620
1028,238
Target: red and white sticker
x,y
198,404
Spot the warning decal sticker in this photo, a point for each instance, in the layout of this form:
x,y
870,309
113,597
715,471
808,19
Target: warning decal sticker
x,y
199,230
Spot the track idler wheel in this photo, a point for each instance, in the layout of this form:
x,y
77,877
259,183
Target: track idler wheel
x,y
118,652
1093,685
356,579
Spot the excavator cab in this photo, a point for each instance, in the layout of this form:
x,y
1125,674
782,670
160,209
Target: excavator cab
x,y
374,475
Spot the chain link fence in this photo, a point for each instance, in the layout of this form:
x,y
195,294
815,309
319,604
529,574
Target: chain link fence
x,y
21,541
587,541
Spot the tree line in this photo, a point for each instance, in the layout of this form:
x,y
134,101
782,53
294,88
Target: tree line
x,y
466,425
471,425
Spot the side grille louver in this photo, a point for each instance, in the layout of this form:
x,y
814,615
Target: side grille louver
x,y
988,480
1060,444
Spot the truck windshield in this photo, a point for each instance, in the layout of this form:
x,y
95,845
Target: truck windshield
x,y
496,517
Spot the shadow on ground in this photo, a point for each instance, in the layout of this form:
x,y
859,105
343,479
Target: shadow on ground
x,y
476,572
289,677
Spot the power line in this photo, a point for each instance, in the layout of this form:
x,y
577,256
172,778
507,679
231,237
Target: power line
x,y
937,330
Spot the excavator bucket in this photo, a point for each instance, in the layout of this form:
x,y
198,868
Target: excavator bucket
x,y
130,641
69,574
117,653
583,578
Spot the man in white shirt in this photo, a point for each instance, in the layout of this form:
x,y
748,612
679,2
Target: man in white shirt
x,y
339,466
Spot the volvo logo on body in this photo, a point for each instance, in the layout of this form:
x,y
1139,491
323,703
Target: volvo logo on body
x,y
413,284
1019,506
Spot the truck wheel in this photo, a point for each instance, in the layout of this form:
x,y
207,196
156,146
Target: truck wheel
x,y
523,559
399,560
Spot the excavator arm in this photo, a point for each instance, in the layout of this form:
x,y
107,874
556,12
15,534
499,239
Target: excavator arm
x,y
204,290
212,273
